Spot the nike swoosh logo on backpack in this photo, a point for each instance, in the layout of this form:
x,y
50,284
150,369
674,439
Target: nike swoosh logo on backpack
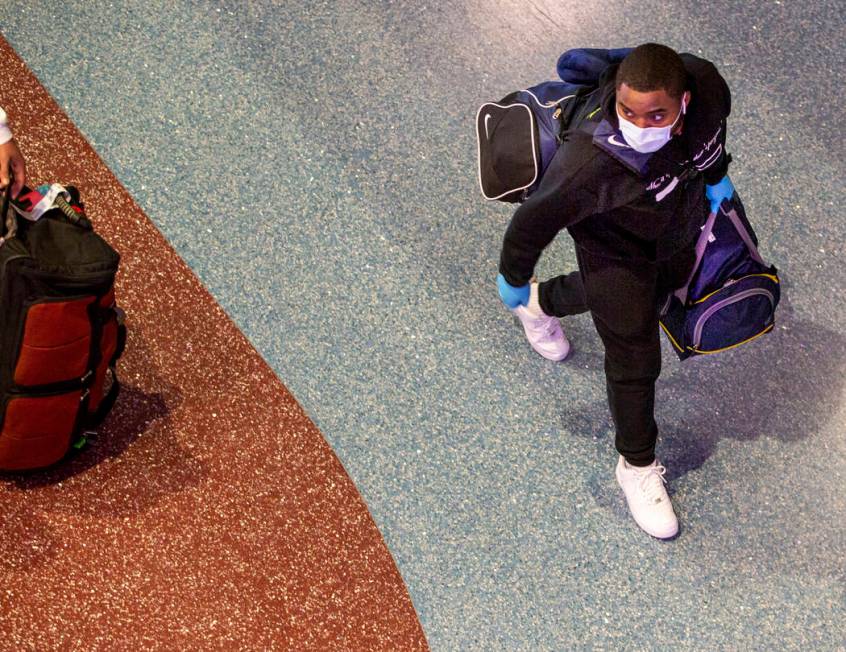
x,y
487,117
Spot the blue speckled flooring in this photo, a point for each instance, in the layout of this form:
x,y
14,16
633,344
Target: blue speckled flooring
x,y
315,166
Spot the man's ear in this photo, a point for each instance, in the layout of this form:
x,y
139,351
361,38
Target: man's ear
x,y
687,97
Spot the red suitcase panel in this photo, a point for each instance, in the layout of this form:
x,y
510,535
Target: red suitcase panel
x,y
56,343
37,431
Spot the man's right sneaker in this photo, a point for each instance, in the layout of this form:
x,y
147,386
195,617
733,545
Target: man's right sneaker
x,y
648,500
543,332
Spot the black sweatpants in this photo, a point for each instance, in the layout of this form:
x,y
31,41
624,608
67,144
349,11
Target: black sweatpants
x,y
623,298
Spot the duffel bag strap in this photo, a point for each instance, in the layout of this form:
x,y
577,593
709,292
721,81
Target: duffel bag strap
x,y
744,234
7,197
681,293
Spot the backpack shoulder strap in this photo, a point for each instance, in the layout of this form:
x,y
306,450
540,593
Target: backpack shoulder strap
x,y
581,114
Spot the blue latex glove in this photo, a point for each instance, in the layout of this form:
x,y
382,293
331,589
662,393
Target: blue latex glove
x,y
510,295
718,192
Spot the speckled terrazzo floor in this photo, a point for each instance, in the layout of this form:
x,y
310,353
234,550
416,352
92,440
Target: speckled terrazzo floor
x,y
208,513
314,165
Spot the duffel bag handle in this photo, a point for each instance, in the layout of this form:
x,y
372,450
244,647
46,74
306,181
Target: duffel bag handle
x,y
681,293
728,209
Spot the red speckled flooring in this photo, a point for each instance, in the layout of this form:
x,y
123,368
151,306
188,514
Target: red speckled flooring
x,y
209,513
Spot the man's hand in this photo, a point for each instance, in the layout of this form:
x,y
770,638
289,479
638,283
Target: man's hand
x,y
718,192
12,159
510,295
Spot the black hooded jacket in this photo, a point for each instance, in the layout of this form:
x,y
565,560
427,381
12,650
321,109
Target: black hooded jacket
x,y
617,202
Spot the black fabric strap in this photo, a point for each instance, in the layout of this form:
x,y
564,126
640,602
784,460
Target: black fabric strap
x,y
7,196
121,344
107,402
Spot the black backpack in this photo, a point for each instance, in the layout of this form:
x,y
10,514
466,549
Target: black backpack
x,y
60,330
518,135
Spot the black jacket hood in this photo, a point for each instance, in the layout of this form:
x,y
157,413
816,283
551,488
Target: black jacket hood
x,y
608,94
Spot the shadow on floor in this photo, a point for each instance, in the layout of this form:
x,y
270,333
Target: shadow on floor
x,y
139,456
133,414
786,385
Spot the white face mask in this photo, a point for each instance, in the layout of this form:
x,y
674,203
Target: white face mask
x,y
648,139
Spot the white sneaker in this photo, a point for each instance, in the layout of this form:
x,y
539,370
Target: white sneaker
x,y
647,498
543,332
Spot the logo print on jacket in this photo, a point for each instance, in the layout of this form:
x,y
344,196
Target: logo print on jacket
x,y
658,182
613,140
666,190
701,165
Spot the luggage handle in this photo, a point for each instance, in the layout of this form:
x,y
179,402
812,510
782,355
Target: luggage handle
x,y
77,219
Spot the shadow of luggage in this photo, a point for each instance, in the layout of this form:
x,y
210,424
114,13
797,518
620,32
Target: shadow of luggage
x,y
138,456
787,386
133,414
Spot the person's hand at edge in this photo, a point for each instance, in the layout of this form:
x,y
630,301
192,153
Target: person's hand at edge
x,y
11,160
721,190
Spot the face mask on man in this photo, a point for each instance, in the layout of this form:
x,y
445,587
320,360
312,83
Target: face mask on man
x,y
648,139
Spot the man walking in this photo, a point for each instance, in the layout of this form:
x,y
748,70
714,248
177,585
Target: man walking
x,y
633,185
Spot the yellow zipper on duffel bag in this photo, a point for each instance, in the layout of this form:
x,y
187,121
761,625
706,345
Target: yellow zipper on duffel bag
x,y
731,282
670,336
763,332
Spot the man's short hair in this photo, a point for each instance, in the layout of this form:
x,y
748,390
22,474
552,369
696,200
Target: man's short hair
x,y
653,67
